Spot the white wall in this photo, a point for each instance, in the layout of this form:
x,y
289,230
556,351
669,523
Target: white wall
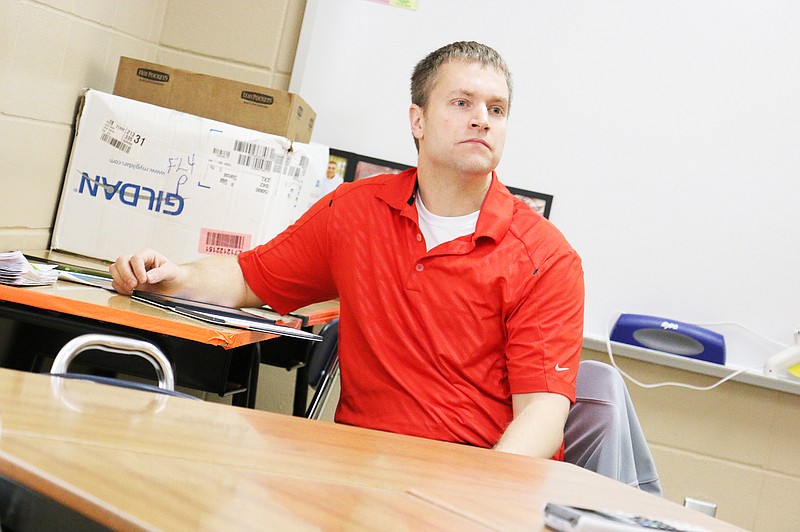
x,y
668,132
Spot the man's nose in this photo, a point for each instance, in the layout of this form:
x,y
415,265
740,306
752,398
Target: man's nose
x,y
481,118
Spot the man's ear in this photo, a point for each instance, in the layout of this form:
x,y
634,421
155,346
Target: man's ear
x,y
417,119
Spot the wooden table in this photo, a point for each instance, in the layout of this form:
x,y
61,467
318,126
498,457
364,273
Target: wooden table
x,y
132,460
208,357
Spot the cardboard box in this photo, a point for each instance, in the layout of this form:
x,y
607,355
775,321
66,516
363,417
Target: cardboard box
x,y
146,176
250,106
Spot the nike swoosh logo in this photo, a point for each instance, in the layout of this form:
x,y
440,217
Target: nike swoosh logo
x,y
559,368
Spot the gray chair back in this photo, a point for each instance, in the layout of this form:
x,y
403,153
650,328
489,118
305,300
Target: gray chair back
x,y
603,433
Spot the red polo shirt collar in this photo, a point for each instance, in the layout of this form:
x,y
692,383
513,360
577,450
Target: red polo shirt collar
x,y
493,222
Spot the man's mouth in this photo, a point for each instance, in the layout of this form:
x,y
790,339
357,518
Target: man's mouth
x,y
478,141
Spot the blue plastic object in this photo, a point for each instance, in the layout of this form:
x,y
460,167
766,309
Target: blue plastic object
x,y
670,336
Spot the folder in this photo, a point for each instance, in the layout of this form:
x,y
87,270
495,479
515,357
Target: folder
x,y
221,315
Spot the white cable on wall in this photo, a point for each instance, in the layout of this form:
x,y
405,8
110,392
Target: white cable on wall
x,y
672,383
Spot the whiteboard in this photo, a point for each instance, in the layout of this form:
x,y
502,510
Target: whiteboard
x,y
668,133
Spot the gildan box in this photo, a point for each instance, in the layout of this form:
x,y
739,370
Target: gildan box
x,y
142,176
242,104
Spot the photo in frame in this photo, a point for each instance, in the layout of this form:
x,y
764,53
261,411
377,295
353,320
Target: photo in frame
x,y
355,166
339,162
539,202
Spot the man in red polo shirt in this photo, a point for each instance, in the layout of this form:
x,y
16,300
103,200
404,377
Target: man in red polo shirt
x,y
461,308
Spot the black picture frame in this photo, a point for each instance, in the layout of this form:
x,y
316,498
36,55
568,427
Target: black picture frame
x,y
539,202
352,166
358,166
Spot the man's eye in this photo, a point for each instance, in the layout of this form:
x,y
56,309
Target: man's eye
x,y
461,103
499,111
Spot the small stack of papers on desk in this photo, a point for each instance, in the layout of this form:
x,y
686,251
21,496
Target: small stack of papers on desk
x,y
16,270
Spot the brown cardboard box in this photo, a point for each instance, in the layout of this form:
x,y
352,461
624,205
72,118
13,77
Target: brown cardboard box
x,y
242,104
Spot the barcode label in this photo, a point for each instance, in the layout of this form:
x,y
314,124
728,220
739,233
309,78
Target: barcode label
x,y
223,243
290,166
302,167
251,148
255,156
256,163
227,241
269,159
122,146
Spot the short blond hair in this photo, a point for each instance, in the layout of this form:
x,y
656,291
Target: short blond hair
x,y
426,71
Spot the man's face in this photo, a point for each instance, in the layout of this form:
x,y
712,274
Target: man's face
x,y
331,170
462,130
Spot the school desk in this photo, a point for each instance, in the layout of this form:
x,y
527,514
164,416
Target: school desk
x,y
136,460
207,357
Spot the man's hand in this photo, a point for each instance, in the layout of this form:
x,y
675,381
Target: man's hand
x,y
214,279
142,270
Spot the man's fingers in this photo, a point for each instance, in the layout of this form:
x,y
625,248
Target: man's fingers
x,y
147,267
139,265
123,278
130,271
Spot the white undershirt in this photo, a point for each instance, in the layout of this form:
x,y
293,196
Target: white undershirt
x,y
438,229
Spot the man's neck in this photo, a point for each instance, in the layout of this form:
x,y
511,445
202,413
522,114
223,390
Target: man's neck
x,y
453,196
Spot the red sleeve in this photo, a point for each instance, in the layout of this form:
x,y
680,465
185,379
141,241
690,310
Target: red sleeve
x,y
292,270
545,331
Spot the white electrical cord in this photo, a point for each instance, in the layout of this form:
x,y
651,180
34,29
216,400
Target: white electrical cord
x,y
746,328
671,383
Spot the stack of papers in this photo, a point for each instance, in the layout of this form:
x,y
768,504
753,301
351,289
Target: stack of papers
x,y
16,270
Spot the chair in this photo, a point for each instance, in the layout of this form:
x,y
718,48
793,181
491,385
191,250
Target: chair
x,y
603,433
321,368
22,508
119,345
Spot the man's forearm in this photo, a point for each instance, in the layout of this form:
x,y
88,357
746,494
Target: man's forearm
x,y
216,280
538,425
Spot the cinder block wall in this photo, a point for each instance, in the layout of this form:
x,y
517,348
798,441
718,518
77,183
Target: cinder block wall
x,y
50,50
735,445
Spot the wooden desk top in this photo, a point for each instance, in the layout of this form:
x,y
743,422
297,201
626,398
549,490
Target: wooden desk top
x,y
98,304
131,459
